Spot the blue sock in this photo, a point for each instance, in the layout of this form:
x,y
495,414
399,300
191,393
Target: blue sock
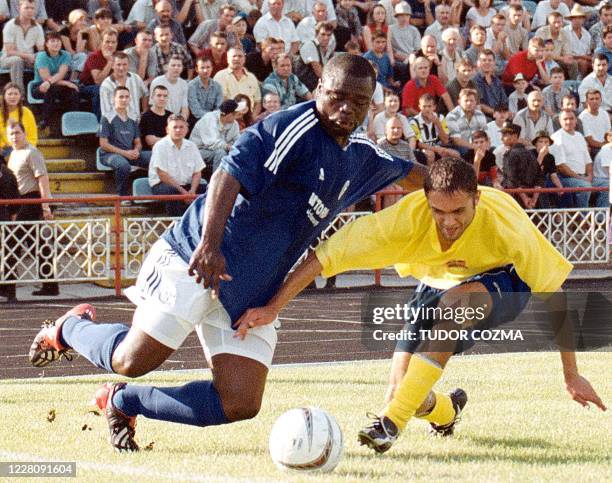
x,y
95,342
196,403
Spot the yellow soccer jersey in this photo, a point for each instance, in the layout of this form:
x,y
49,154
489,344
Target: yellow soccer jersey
x,y
404,235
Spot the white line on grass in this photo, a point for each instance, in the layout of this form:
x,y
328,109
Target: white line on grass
x,y
132,470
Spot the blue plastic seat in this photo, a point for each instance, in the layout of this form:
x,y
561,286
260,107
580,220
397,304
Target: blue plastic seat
x,y
141,187
76,123
99,165
31,99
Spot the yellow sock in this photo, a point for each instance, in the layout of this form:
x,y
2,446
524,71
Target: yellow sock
x,y
420,377
443,411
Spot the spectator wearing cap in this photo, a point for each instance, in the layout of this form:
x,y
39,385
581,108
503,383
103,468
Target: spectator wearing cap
x,y
544,153
237,80
285,83
510,136
178,88
215,133
22,37
465,119
598,79
580,39
528,62
517,99
165,49
404,38
204,94
601,171
574,162
176,166
423,83
200,39
490,89
562,52
595,122
163,17
275,24
533,118
240,26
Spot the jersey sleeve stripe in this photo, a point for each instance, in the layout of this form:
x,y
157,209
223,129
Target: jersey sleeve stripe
x,y
287,133
298,135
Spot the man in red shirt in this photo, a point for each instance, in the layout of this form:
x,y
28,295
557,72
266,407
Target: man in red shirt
x,y
528,62
423,83
97,68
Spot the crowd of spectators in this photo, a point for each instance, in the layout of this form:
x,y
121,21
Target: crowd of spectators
x,y
521,89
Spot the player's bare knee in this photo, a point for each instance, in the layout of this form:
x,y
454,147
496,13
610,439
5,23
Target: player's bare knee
x,y
127,366
240,409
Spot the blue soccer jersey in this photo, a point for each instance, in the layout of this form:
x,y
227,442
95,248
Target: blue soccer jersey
x,y
295,179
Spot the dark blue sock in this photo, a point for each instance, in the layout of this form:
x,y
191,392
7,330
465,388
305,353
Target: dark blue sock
x,y
95,342
196,403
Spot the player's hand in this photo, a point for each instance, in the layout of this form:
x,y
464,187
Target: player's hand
x,y
208,267
583,393
254,318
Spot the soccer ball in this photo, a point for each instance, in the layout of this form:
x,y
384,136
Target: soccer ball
x,y
306,439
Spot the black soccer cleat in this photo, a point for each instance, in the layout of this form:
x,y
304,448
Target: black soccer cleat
x,y
459,398
121,427
380,434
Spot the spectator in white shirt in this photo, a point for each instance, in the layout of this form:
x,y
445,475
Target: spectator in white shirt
x,y
544,9
443,18
598,79
122,77
574,163
595,122
306,29
275,24
580,39
177,88
22,37
176,166
215,133
601,172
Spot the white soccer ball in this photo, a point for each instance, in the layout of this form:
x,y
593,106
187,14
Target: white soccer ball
x,y
306,439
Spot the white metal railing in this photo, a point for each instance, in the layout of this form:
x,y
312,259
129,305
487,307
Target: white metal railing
x,y
75,250
81,250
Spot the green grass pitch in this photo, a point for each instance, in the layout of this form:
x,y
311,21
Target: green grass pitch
x,y
519,425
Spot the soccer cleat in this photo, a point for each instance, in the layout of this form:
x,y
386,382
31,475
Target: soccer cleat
x,y
47,347
459,398
380,435
121,427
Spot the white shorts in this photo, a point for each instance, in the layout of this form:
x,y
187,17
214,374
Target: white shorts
x,y
171,305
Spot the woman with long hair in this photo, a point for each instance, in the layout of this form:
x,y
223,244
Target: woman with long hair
x,y
245,118
74,39
13,108
377,22
51,71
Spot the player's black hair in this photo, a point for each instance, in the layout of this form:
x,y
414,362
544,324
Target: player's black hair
x,y
450,175
351,66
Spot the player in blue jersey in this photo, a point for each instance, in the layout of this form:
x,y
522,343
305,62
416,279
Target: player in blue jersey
x,y
283,182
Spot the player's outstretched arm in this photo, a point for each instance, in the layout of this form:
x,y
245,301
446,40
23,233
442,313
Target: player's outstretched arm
x,y
414,180
579,387
295,283
207,262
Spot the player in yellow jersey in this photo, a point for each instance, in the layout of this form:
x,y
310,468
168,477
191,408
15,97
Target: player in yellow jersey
x,y
469,246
